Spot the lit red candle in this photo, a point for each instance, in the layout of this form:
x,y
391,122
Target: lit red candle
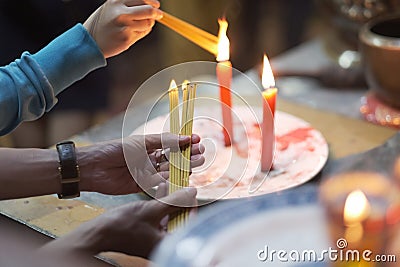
x,y
267,128
224,75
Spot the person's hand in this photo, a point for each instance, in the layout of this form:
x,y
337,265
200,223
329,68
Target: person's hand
x,y
144,159
108,167
134,229
118,24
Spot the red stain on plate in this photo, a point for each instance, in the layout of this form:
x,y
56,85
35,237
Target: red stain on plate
x,y
293,137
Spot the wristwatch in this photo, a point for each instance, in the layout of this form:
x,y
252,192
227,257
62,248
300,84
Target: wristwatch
x,y
69,170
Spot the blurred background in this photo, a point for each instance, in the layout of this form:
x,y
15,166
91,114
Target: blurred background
x,y
255,27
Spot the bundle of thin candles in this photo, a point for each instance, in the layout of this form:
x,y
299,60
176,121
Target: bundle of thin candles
x,y
198,36
180,160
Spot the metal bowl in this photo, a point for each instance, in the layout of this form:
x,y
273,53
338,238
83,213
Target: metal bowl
x,y
343,19
380,51
348,16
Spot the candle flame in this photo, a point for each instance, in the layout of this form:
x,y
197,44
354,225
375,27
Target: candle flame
x,y
267,79
223,41
356,208
172,85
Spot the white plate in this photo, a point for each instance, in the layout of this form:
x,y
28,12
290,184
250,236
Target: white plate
x,y
233,233
300,153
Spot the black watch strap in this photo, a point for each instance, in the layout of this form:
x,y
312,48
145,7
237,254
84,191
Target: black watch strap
x,y
69,170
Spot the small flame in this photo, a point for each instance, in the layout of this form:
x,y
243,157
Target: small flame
x,y
172,85
356,208
223,41
267,79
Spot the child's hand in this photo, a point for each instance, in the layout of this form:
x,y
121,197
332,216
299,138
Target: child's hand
x,y
118,24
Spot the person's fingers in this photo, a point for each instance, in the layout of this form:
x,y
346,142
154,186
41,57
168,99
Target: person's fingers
x,y
143,12
197,160
164,175
158,156
198,149
185,197
164,167
162,190
141,25
152,180
195,139
139,35
165,140
164,223
153,3
172,203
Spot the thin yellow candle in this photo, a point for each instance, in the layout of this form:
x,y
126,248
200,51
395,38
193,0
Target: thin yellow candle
x,y
185,131
198,36
180,161
189,130
183,156
174,128
188,126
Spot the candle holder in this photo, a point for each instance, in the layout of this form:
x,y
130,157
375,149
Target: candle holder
x,y
363,213
380,51
377,111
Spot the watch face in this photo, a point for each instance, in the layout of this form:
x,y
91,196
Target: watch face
x,y
66,151
69,170
67,156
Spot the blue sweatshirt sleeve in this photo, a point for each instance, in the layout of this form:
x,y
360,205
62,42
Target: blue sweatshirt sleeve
x,y
29,85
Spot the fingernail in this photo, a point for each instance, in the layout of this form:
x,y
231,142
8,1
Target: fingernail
x,y
196,157
202,149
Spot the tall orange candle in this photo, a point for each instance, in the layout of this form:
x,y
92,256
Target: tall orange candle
x,y
224,75
267,127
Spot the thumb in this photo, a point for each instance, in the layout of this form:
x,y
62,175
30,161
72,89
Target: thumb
x,y
174,202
